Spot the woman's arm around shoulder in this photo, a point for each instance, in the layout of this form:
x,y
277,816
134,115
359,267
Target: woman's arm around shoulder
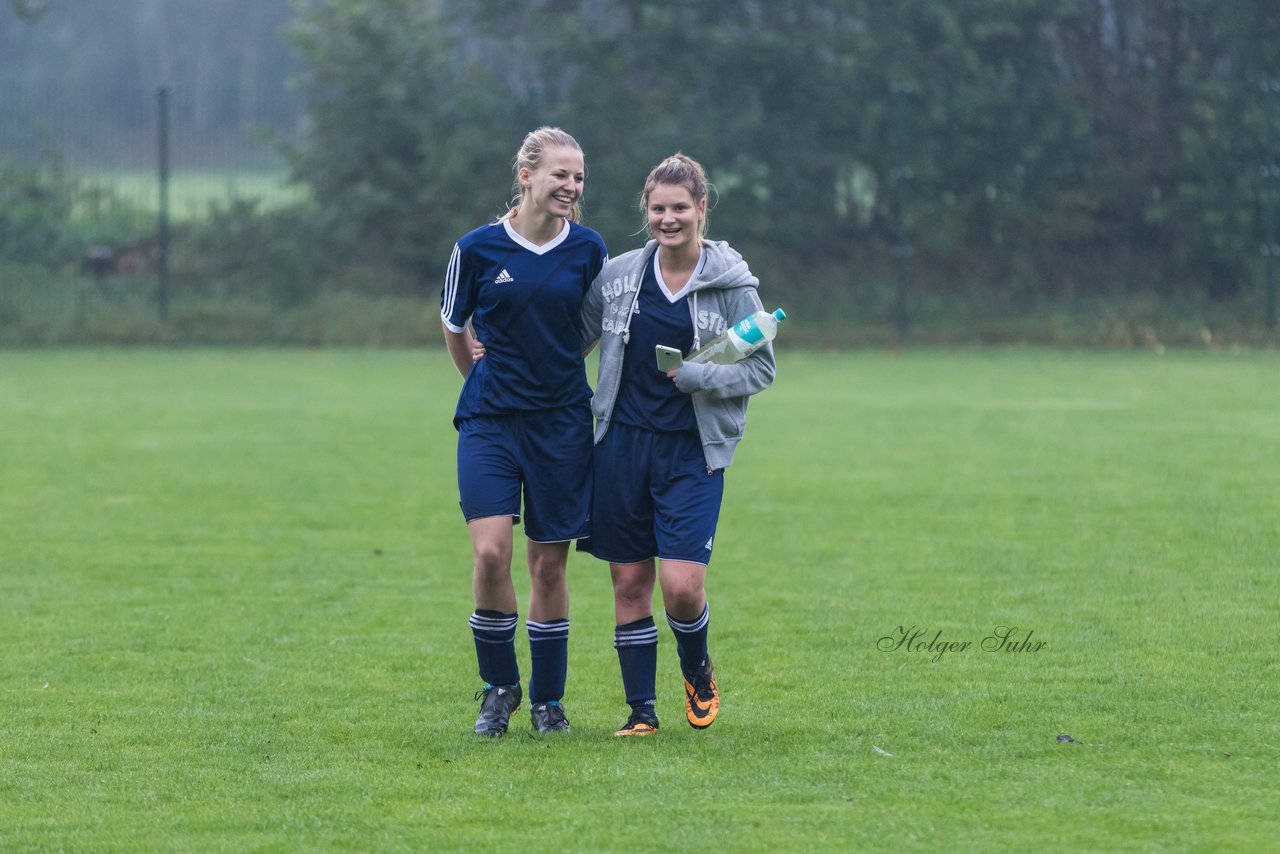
x,y
463,349
592,315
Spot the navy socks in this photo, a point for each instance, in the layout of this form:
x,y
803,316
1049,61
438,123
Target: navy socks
x,y
549,655
637,646
495,637
691,640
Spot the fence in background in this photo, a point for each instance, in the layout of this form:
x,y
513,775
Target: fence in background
x,y
145,183
135,190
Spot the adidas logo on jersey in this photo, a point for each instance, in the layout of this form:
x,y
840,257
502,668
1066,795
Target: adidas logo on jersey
x,y
708,545
504,278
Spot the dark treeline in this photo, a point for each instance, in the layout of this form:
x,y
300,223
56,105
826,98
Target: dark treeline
x,y
1073,141
1069,147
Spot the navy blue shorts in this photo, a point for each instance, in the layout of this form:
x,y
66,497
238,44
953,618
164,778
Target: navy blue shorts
x,y
547,453
653,497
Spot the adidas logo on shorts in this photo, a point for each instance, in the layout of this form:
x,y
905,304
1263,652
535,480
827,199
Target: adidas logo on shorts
x,y
503,278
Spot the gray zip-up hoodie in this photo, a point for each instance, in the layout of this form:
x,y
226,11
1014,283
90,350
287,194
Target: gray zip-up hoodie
x,y
721,293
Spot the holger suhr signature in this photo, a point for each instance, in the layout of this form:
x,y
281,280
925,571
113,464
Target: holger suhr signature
x,y
915,639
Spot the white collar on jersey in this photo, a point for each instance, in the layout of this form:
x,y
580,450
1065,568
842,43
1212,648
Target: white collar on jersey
x,y
662,283
533,247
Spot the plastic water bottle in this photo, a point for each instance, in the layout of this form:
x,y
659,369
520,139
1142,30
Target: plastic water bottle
x,y
740,340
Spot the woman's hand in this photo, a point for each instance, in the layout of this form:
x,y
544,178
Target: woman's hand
x,y
463,349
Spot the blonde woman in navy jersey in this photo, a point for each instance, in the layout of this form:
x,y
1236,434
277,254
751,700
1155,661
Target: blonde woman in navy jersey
x,y
664,440
511,312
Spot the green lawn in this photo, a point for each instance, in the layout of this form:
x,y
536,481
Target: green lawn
x,y
192,190
234,588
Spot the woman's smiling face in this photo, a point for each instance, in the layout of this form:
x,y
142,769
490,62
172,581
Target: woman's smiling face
x,y
674,217
555,186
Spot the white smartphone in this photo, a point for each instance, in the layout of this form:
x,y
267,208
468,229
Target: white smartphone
x,y
669,358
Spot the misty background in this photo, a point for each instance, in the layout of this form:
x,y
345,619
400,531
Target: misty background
x,y
1095,172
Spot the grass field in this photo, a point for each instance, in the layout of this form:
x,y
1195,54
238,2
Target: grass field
x,y
191,191
234,587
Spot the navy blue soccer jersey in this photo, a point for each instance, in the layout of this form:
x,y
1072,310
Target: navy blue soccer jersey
x,y
646,396
523,302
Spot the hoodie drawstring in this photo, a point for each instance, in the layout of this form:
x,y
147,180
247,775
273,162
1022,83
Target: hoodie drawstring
x,y
697,338
626,326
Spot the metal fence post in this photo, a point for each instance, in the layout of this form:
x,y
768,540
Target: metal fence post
x,y
162,224
900,174
1270,171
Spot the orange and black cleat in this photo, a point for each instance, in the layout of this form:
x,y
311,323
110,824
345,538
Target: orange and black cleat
x,y
640,723
701,699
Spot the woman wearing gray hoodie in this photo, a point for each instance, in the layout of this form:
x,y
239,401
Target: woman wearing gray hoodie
x,y
663,439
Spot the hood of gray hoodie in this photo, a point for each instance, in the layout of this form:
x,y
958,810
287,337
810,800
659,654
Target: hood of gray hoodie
x,y
723,269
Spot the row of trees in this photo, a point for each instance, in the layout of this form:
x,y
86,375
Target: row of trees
x,y
1037,134
1060,143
